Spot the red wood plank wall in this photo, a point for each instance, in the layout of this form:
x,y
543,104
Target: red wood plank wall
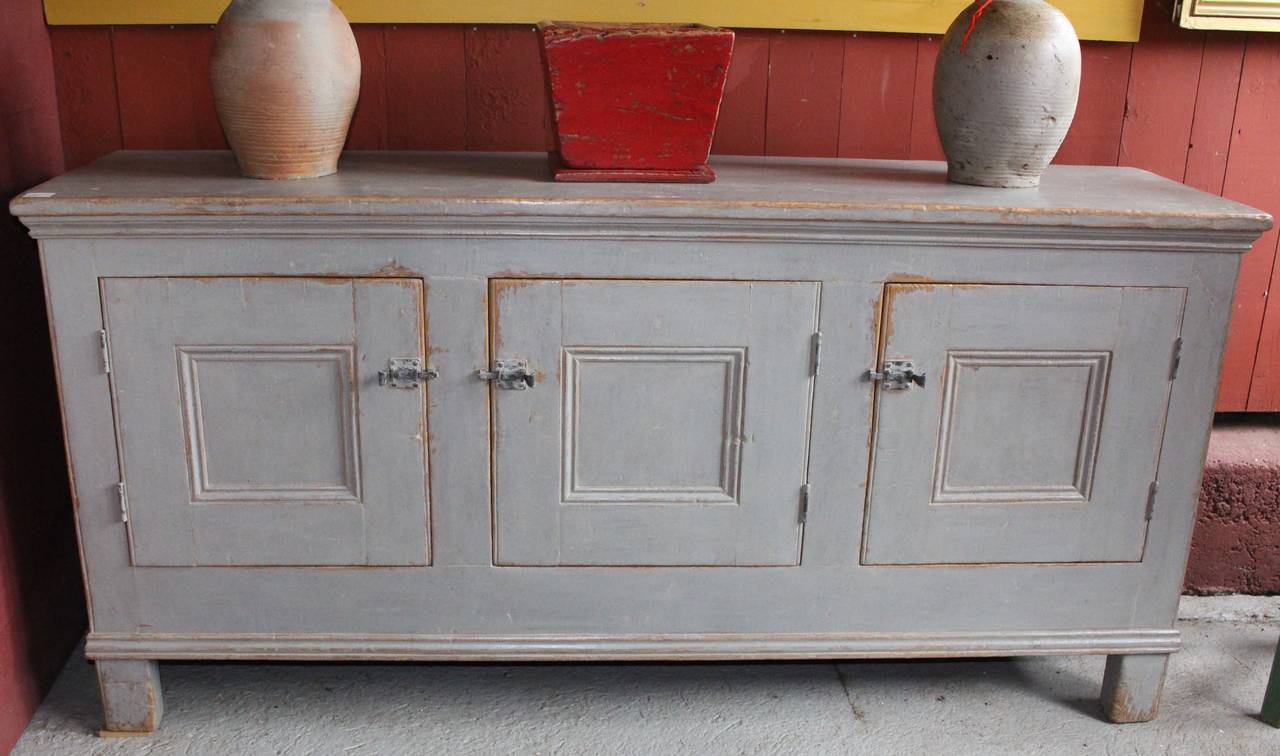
x,y
1192,106
41,596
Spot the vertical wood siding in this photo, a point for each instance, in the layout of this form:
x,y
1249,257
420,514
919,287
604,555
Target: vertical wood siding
x,y
88,104
426,87
1095,134
1156,129
1192,106
1251,177
875,116
369,127
741,128
162,81
925,144
802,116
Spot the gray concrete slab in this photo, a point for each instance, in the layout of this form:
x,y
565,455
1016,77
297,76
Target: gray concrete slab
x,y
1006,706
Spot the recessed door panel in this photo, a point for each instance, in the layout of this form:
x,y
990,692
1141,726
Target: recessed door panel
x,y
253,430
668,423
1036,434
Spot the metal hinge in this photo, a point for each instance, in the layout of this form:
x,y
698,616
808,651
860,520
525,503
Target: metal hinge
x,y
1177,359
815,354
804,503
1151,498
123,494
106,351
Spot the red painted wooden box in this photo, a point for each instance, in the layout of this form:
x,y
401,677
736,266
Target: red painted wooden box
x,y
635,102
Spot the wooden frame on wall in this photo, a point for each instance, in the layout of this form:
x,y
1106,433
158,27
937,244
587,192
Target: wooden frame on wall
x,y
1238,15
1112,20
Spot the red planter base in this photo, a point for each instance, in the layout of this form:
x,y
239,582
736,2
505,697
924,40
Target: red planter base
x,y
561,172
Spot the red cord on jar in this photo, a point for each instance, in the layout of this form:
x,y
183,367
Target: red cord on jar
x,y
973,21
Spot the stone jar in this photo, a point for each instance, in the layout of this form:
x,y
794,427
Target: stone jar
x,y
286,77
1005,99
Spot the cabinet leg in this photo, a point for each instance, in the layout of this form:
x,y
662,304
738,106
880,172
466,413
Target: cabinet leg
x,y
1271,703
131,700
1132,686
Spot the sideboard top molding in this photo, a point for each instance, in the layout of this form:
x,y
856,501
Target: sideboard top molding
x,y
1113,20
493,194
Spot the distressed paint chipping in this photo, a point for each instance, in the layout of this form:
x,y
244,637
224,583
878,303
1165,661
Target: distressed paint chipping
x,y
1132,687
395,269
132,702
501,288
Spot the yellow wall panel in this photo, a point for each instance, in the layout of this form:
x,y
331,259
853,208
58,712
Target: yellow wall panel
x,y
1094,19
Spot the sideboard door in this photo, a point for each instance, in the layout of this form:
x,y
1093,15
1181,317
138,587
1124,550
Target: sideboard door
x,y
252,426
667,425
1036,434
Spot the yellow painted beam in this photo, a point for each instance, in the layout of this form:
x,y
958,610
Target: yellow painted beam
x,y
1116,20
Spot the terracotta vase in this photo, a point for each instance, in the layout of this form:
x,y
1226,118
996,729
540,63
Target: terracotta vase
x,y
286,77
1005,98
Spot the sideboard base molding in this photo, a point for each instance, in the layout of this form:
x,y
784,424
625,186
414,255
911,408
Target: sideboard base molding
x,y
101,646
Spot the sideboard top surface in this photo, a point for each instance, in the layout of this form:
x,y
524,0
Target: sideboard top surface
x,y
452,185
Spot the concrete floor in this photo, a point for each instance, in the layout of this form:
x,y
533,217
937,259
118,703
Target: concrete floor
x,y
1006,706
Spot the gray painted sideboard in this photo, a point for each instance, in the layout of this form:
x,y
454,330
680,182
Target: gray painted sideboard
x,y
437,407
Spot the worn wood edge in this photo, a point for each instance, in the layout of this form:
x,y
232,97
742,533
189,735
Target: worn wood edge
x,y
903,233
610,212
518,185
195,647
125,733
1131,696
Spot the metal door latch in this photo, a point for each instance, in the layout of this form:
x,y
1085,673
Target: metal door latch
x,y
898,375
406,373
509,375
